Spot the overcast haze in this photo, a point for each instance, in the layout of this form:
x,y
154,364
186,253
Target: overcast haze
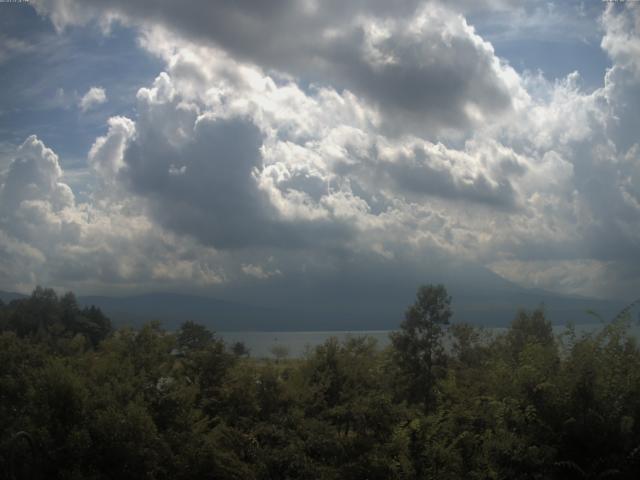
x,y
340,150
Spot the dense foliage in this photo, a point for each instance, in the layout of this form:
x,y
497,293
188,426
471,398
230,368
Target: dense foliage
x,y
442,402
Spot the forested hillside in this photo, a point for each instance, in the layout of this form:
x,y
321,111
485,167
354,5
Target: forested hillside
x,y
444,401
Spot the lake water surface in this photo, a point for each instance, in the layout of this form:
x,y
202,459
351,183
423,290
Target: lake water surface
x,y
260,344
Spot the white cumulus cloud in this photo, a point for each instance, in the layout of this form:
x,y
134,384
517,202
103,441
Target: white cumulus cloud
x,y
94,96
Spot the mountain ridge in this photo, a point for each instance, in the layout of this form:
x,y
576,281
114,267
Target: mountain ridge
x,y
171,309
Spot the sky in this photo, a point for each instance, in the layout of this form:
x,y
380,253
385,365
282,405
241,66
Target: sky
x,y
319,148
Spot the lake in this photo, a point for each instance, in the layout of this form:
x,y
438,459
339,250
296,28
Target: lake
x,y
261,343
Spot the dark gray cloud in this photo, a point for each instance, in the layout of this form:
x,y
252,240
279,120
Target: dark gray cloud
x,y
422,76
418,175
204,188
418,170
199,177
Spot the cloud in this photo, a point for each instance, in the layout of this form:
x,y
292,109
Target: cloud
x,y
34,175
216,198
419,62
258,271
106,153
11,47
382,137
34,205
417,168
600,278
621,39
94,96
46,237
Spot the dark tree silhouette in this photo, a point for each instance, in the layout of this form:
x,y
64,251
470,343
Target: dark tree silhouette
x,y
418,345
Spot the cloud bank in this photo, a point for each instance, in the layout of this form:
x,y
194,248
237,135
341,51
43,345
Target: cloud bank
x,y
310,137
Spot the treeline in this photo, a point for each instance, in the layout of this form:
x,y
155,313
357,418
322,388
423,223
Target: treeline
x,y
79,400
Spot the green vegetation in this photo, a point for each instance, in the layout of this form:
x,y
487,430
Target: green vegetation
x,y
442,402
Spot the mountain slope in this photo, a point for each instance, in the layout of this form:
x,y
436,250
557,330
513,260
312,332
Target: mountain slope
x,y
7,297
496,310
338,302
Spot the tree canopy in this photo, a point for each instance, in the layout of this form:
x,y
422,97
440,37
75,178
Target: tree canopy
x,y
418,345
79,399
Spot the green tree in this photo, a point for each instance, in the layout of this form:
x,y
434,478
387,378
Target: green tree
x,y
239,349
36,314
55,319
529,328
418,345
193,336
96,326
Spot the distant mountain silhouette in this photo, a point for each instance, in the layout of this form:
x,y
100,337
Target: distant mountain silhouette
x,y
172,309
490,304
7,297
